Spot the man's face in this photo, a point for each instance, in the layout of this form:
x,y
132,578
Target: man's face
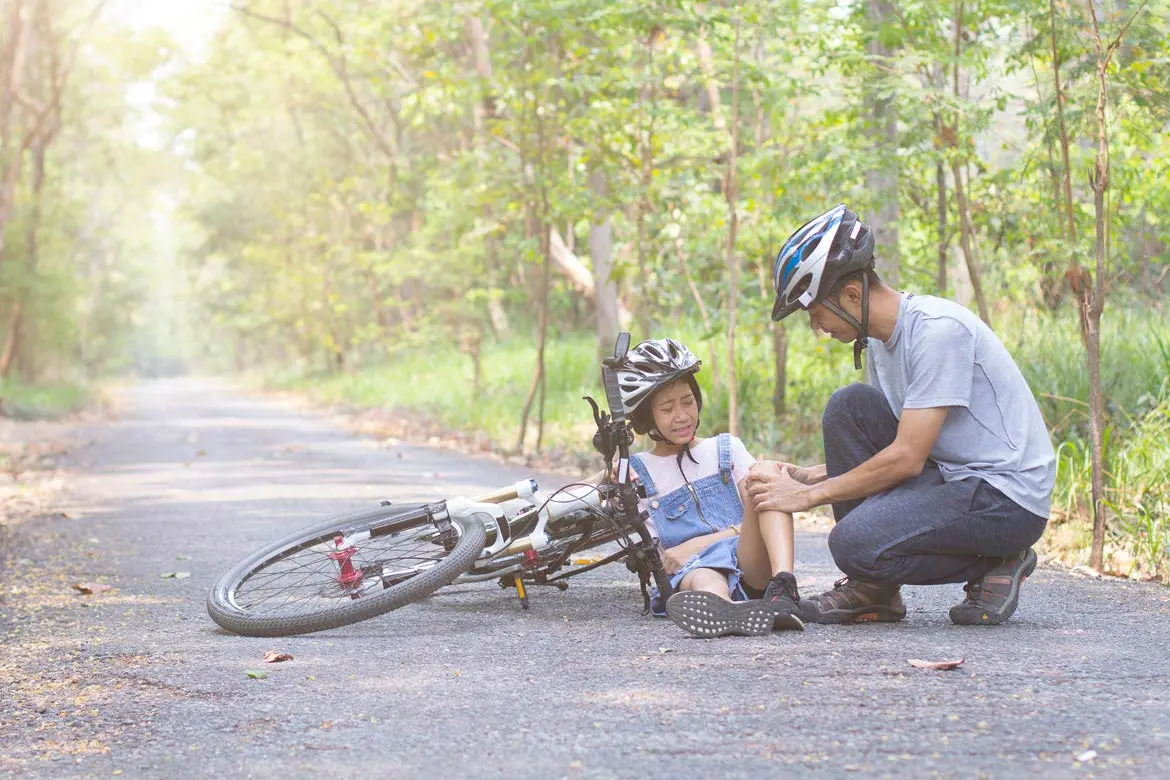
x,y
822,320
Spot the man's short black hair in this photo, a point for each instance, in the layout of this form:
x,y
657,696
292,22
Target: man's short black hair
x,y
856,276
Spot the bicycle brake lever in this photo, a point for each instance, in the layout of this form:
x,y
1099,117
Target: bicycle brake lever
x,y
598,418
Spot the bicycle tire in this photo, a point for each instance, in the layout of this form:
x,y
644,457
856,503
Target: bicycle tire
x,y
342,607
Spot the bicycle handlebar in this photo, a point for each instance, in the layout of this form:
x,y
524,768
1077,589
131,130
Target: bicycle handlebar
x,y
627,493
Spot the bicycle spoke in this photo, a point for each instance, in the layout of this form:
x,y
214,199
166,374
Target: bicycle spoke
x,y
306,579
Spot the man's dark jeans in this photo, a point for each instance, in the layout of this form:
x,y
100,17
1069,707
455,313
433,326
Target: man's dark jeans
x,y
924,531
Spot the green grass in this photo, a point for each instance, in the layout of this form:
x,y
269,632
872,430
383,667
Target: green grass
x,y
41,401
1135,365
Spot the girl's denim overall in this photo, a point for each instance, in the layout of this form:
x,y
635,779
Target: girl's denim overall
x,y
707,505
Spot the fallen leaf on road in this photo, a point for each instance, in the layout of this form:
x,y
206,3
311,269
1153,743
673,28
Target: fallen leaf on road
x,y
1088,755
201,454
175,575
666,649
273,657
182,557
90,588
256,674
943,665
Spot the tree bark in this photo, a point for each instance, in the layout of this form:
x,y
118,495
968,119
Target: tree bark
x,y
601,253
966,231
780,368
13,341
680,253
11,152
645,130
1095,299
707,67
1068,201
940,178
881,179
731,192
966,242
482,109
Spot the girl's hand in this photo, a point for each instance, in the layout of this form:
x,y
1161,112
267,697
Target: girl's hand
x,y
675,558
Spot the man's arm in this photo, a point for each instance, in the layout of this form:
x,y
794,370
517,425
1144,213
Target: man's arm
x,y
776,489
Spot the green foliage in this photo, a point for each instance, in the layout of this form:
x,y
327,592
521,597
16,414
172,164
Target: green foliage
x,y
39,401
371,192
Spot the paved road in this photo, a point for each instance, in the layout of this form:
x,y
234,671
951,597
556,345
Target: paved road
x,y
138,681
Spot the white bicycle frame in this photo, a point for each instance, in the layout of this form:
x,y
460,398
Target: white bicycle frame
x,y
489,510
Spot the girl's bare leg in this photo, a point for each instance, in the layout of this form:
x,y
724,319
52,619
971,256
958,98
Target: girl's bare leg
x,y
765,543
709,580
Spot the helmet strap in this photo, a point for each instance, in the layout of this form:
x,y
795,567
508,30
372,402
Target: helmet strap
x,y
862,327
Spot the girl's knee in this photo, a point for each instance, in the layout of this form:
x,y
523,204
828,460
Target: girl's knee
x,y
706,579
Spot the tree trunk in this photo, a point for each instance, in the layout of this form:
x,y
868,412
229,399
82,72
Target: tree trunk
x,y
881,180
601,253
1051,282
11,152
966,242
780,365
1068,201
680,252
731,192
645,170
13,342
707,67
1100,183
940,178
966,237
481,110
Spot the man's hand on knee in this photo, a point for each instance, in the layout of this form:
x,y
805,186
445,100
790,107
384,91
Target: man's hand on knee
x,y
763,469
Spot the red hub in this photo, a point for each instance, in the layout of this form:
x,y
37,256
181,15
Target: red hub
x,y
348,576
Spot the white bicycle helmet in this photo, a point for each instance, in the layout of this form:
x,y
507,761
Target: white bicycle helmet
x,y
649,366
818,255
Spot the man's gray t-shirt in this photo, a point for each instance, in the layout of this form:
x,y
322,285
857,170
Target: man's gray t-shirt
x,y
940,354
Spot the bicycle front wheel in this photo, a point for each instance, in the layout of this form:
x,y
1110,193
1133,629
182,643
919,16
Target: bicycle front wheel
x,y
348,569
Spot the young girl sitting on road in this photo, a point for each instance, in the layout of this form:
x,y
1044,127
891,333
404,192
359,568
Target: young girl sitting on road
x,y
731,568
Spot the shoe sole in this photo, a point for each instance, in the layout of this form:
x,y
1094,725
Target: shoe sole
x,y
989,618
706,615
841,617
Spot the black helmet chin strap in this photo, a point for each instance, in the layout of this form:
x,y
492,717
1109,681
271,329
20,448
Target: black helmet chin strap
x,y
862,327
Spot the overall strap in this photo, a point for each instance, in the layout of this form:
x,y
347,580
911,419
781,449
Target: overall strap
x,y
644,475
723,441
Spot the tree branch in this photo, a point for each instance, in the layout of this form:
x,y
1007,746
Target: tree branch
x,y
339,66
1124,28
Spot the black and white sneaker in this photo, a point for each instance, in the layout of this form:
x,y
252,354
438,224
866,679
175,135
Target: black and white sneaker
x,y
706,615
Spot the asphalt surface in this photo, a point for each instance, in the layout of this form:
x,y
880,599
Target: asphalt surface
x,y
138,682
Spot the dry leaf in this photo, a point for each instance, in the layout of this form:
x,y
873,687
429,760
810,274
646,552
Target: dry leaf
x,y
90,588
943,665
273,657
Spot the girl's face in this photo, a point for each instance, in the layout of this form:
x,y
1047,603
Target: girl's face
x,y
676,412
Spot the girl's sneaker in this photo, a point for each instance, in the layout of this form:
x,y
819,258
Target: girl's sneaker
x,y
782,597
706,615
